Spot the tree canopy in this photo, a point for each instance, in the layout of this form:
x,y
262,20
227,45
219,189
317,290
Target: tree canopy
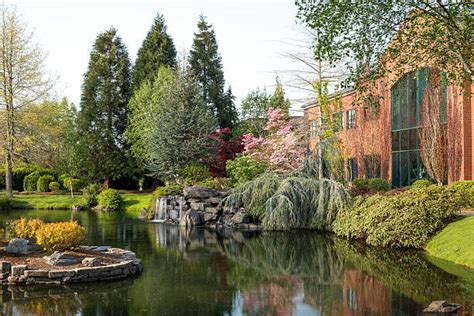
x,y
103,117
206,63
157,50
358,34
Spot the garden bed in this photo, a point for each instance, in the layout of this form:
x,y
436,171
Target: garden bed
x,y
109,264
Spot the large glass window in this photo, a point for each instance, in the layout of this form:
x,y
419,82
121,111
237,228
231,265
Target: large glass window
x,y
351,118
407,96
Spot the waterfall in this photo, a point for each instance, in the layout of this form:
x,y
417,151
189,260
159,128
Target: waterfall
x,y
169,207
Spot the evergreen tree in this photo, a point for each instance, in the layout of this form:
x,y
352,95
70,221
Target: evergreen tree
x,y
184,122
206,64
278,99
103,116
157,50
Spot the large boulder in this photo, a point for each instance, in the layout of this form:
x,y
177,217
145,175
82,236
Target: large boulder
x,y
242,218
17,246
442,307
191,218
195,192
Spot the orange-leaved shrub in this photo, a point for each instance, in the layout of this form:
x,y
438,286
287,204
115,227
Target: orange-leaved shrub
x,y
60,236
50,236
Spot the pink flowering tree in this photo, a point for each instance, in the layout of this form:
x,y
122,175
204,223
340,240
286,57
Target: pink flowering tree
x,y
280,148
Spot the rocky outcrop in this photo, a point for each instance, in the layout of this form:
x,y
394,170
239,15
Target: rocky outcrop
x,y
125,266
61,259
441,307
17,246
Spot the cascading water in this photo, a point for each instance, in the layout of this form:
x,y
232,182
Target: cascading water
x,y
169,208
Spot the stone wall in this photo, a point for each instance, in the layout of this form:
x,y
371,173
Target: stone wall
x,y
128,265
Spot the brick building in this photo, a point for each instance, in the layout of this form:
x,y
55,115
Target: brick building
x,y
385,143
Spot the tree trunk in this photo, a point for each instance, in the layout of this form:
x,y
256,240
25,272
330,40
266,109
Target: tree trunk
x,y
70,187
8,177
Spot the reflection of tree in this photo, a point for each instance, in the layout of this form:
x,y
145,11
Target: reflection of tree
x,y
406,272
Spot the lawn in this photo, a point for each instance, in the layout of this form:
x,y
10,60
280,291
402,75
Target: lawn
x,y
134,202
455,243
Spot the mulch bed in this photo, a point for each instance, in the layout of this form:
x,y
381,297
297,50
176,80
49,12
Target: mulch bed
x,y
35,261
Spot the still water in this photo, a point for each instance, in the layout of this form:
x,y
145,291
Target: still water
x,y
202,272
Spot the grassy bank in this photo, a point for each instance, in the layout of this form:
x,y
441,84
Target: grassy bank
x,y
134,202
455,243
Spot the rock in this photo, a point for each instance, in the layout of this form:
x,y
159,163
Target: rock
x,y
242,218
76,207
200,193
213,200
5,266
209,217
18,270
32,247
91,262
102,248
61,259
142,214
18,246
212,210
441,307
190,219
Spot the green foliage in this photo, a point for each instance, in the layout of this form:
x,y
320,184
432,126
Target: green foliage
x,y
54,186
285,202
43,183
364,186
206,64
195,172
61,180
279,100
180,134
360,182
30,182
220,184
2,182
102,120
77,184
170,189
358,33
422,183
466,190
243,169
407,219
110,199
90,195
378,184
19,174
157,50
253,112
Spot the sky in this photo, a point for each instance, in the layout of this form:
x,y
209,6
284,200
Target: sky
x,y
252,35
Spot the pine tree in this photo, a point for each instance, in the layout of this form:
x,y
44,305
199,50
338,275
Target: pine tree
x,y
157,50
278,100
206,64
184,122
103,116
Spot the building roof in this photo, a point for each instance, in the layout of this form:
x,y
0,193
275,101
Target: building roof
x,y
339,93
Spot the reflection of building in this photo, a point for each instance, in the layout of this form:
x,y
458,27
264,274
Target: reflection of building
x,y
380,128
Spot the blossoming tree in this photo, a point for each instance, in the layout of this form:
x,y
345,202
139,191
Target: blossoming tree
x,y
280,148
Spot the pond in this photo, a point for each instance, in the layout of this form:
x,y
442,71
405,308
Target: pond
x,y
203,272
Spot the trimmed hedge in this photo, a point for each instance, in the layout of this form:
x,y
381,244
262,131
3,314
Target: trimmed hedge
x,y
465,190
30,182
19,174
43,183
363,186
54,186
90,194
407,219
111,200
422,183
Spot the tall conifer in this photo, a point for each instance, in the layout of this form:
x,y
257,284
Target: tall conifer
x,y
103,117
206,64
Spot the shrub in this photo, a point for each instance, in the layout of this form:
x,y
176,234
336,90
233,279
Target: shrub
x,y
220,184
170,189
30,182
466,191
43,183
422,183
54,186
195,172
60,236
61,179
407,219
24,228
19,174
90,194
77,184
369,186
110,199
243,169
378,184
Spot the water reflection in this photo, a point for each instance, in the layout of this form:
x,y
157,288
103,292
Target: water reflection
x,y
225,272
